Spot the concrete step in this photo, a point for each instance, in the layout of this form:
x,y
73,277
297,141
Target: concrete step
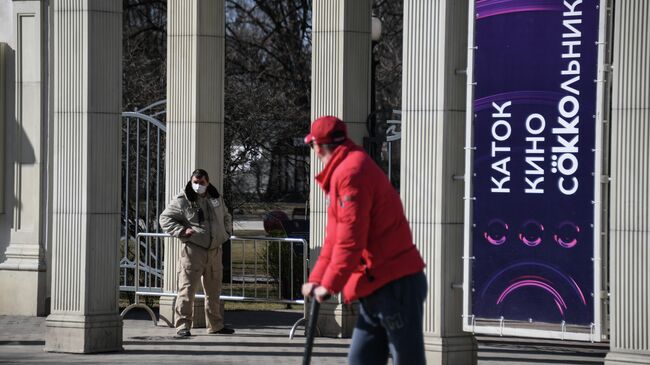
x,y
515,351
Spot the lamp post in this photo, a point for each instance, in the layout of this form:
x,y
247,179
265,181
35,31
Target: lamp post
x,y
375,34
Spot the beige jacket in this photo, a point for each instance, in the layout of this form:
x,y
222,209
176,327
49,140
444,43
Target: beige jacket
x,y
185,210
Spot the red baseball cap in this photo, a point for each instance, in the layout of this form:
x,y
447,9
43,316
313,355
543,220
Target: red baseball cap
x,y
327,129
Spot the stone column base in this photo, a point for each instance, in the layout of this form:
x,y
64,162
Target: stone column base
x,y
450,350
166,312
83,334
620,357
23,293
336,319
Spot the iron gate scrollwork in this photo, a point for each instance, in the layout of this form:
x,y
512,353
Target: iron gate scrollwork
x,y
143,194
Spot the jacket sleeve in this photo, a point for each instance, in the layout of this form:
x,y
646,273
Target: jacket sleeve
x,y
171,219
323,261
353,221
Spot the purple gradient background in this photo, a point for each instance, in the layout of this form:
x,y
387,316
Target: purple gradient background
x,y
488,8
519,59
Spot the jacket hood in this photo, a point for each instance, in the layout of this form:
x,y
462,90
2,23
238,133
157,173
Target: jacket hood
x,y
192,195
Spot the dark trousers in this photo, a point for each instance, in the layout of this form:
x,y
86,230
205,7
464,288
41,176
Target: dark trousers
x,y
390,320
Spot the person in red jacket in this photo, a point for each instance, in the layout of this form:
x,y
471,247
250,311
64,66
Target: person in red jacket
x,y
368,252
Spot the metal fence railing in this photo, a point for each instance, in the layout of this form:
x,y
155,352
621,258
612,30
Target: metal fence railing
x,y
263,269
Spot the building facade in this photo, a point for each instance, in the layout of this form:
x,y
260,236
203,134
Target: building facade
x,y
60,68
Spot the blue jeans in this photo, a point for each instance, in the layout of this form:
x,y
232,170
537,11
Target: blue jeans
x,y
390,319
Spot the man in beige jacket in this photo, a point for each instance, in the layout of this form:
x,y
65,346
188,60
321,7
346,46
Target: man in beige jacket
x,y
200,219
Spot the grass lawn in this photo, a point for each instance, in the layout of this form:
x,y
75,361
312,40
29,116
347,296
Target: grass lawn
x,y
253,306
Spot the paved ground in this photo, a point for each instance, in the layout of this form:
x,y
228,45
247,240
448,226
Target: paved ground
x,y
262,337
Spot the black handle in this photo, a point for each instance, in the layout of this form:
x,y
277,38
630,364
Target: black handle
x,y
311,330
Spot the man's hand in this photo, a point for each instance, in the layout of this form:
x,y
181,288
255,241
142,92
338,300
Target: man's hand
x,y
307,289
188,232
314,290
321,294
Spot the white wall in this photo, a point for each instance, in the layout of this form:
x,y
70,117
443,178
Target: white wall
x,y
6,36
6,24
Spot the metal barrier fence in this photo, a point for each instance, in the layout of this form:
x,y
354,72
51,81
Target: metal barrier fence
x,y
263,269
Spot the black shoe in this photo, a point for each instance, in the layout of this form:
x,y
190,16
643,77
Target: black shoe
x,y
225,331
184,333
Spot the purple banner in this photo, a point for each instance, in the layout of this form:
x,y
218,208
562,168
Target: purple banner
x,y
535,68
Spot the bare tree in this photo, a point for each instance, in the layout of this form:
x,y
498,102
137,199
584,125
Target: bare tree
x,y
268,53
267,85
388,53
144,52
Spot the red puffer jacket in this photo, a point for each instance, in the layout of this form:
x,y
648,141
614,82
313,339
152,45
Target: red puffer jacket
x,y
368,241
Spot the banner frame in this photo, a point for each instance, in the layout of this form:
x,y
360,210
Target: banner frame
x,y
596,332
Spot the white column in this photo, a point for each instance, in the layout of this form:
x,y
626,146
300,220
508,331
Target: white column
x,y
340,87
23,271
433,129
87,90
4,75
629,234
195,80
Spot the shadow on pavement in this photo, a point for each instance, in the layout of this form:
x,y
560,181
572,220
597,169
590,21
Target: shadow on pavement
x,y
238,318
297,343
233,353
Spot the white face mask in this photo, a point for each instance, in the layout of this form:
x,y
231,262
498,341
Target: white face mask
x,y
199,189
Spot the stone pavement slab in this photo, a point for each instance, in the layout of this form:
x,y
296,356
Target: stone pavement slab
x,y
262,337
